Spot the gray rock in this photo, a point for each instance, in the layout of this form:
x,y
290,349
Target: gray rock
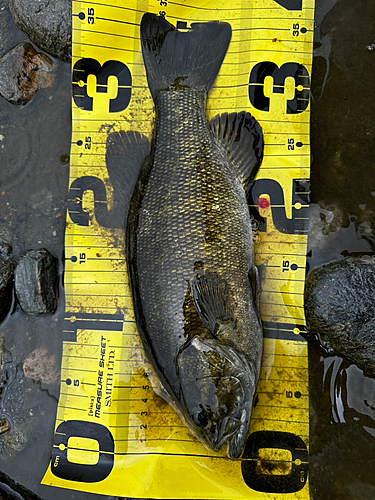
x,y
23,71
340,308
10,490
6,279
48,24
36,282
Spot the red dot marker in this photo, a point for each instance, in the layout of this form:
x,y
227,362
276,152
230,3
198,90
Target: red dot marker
x,y
263,203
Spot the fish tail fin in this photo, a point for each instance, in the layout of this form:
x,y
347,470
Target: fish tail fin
x,y
182,59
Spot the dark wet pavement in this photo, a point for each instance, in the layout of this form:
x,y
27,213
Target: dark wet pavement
x,y
34,142
342,120
342,399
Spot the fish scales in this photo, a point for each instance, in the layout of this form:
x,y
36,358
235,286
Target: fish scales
x,y
190,250
193,213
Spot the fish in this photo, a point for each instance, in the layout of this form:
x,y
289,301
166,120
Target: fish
x,y
189,237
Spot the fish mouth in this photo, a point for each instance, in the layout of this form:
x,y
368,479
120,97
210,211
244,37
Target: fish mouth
x,y
234,431
236,441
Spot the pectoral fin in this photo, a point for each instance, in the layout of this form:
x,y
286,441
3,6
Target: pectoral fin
x,y
242,137
211,295
125,154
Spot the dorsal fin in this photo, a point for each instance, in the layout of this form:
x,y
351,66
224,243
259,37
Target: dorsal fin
x,y
242,137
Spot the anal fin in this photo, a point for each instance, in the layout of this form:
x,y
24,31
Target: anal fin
x,y
242,137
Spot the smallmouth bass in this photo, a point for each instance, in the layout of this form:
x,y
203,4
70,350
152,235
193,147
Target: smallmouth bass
x,y
189,237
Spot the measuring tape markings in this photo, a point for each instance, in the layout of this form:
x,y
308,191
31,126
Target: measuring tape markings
x,y
272,310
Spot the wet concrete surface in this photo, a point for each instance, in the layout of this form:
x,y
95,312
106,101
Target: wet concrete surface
x,y
34,146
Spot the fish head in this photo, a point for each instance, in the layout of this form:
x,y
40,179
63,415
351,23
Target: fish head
x,y
218,383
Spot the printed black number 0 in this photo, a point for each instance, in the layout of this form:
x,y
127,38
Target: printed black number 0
x,y
73,471
290,482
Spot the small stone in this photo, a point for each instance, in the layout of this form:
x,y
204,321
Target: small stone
x,y
64,159
36,282
340,308
23,71
4,426
47,23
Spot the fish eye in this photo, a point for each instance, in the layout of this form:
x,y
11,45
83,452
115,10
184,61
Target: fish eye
x,y
200,419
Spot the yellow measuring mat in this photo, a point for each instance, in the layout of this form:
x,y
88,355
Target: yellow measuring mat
x,y
114,434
